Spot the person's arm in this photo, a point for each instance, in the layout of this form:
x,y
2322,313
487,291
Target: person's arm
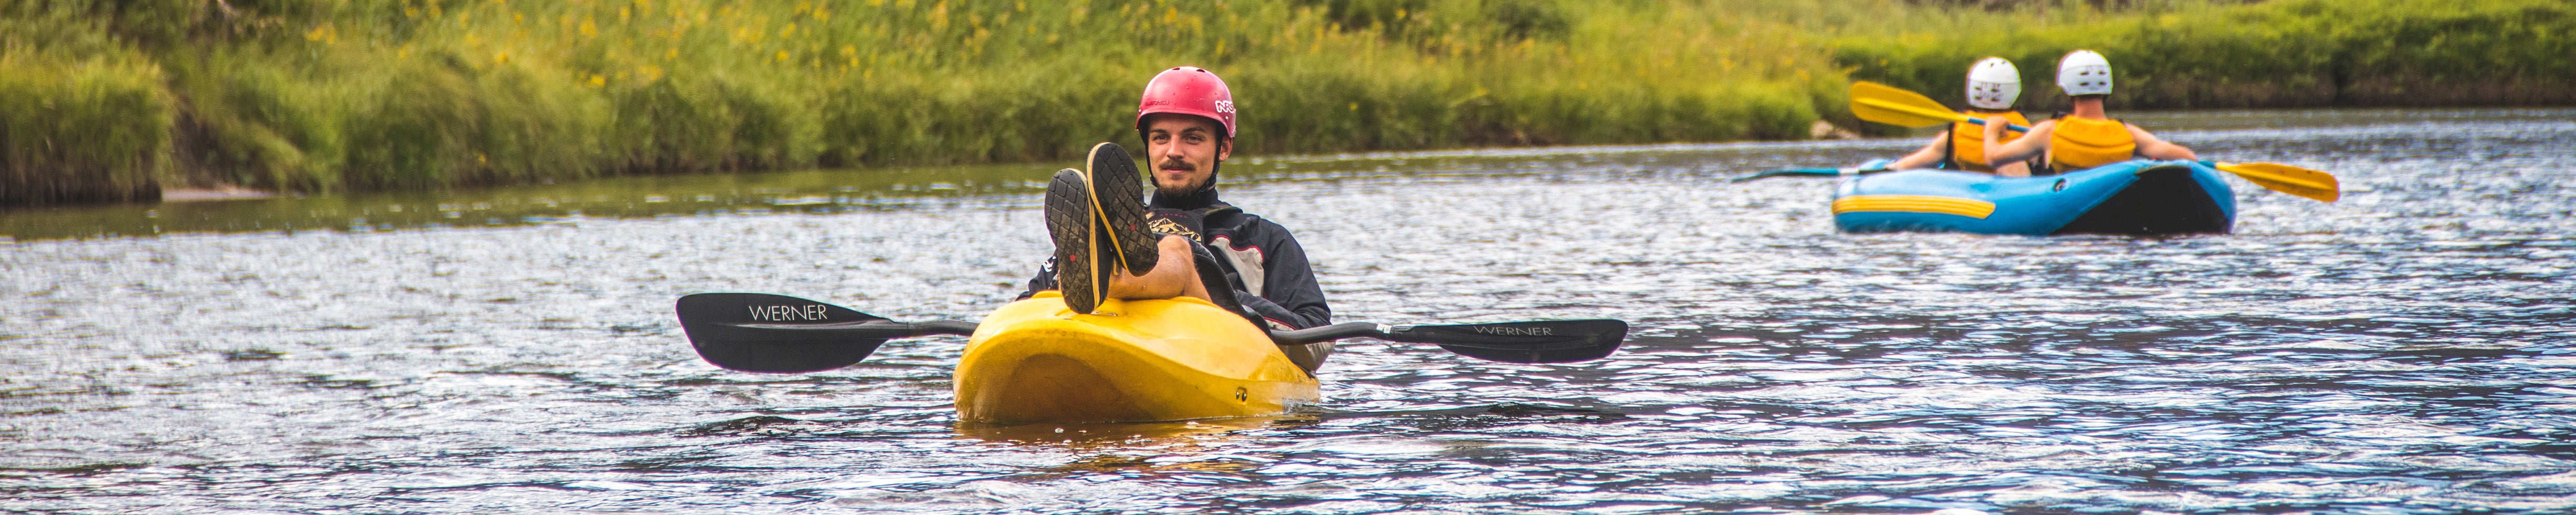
x,y
1924,157
1280,317
1043,282
2157,148
2023,149
1291,297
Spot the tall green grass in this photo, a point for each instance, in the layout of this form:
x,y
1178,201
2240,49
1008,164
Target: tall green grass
x,y
323,95
81,117
81,129
2281,53
111,99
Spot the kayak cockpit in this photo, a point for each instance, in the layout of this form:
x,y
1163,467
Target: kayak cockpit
x,y
2165,199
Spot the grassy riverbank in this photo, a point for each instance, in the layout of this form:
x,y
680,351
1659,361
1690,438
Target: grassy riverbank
x,y
113,100
2281,53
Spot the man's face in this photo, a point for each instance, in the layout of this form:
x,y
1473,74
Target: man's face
x,y
1184,151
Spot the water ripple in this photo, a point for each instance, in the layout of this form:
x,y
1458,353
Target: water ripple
x,y
2411,349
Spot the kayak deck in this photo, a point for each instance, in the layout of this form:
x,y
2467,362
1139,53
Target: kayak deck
x,y
2135,198
1034,361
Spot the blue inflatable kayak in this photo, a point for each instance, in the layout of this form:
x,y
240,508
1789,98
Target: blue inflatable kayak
x,y
2136,197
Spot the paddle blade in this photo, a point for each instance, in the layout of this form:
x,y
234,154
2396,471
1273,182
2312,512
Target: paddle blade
x,y
1554,341
759,332
2287,179
1895,106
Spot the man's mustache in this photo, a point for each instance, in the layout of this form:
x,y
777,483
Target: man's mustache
x,y
1176,164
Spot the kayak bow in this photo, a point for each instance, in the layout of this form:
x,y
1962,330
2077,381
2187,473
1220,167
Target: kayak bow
x,y
1035,361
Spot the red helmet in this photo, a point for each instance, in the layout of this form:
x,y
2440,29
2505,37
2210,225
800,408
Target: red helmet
x,y
1191,91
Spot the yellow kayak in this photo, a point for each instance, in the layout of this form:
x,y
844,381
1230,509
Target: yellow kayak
x,y
1034,361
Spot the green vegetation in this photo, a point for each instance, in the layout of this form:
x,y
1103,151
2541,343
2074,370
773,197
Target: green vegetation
x,y
110,99
81,125
2282,53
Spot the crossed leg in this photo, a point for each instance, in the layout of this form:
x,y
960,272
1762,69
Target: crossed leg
x,y
1175,274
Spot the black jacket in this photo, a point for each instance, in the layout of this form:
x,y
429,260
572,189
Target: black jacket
x,y
1266,266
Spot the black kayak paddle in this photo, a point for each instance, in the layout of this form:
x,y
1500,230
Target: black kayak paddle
x,y
759,332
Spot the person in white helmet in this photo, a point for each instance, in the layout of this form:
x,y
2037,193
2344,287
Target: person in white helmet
x,y
1993,84
2085,137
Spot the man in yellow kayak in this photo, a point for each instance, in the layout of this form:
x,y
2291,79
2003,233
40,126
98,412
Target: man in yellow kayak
x,y
2086,137
1993,84
1184,243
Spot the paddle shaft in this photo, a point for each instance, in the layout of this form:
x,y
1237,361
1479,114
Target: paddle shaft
x,y
1517,336
1810,172
878,329
889,330
757,332
1866,167
1896,106
1982,121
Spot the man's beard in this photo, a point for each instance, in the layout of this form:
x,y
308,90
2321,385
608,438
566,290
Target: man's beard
x,y
1186,189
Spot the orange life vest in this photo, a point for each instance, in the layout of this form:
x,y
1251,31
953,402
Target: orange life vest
x,y
1968,141
2080,143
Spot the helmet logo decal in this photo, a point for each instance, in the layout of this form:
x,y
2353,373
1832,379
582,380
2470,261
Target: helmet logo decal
x,y
1993,83
2084,72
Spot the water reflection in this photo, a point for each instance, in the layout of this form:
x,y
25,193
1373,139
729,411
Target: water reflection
x,y
1113,435
835,191
2406,350
812,192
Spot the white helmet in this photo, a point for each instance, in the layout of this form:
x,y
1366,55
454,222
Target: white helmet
x,y
1993,84
2083,72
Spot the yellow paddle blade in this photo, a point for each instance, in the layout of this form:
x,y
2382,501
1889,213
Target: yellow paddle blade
x,y
2288,179
1895,106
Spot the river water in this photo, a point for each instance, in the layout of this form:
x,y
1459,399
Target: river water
x,y
2410,349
